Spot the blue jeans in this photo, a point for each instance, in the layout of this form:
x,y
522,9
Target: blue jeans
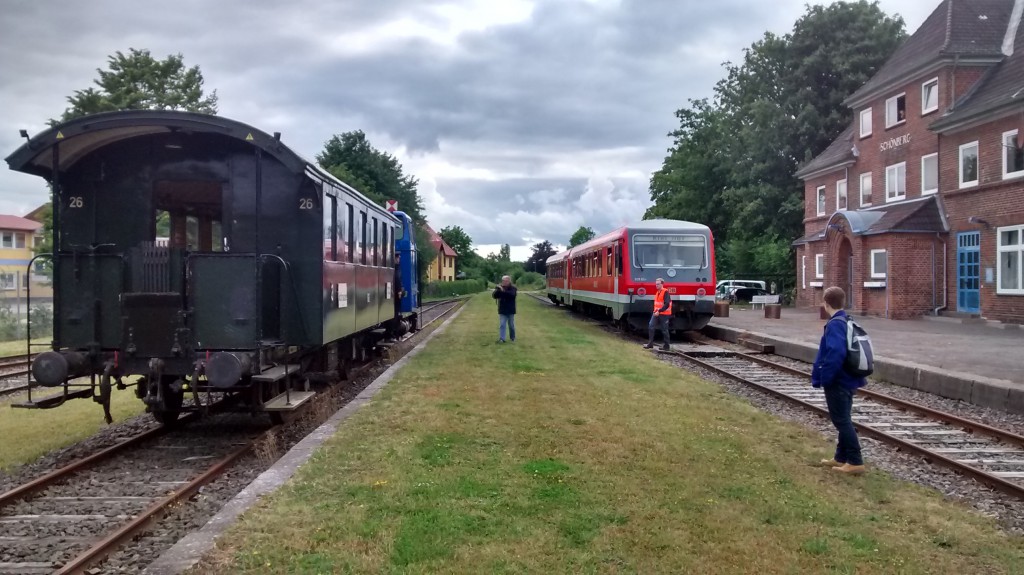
x,y
658,320
511,321
840,406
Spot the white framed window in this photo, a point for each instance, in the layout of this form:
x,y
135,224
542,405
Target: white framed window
x,y
7,239
896,110
865,189
896,182
929,174
929,96
841,199
1013,156
819,265
821,200
969,165
879,263
7,281
1010,248
865,123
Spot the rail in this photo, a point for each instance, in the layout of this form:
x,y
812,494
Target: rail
x,y
993,456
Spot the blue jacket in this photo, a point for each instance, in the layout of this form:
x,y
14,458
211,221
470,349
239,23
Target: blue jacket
x,y
828,366
506,300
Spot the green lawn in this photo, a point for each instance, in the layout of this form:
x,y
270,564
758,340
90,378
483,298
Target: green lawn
x,y
572,451
30,433
18,347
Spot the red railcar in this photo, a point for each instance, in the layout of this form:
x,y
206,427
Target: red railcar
x,y
614,274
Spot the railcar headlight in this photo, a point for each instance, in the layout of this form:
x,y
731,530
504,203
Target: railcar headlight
x,y
701,292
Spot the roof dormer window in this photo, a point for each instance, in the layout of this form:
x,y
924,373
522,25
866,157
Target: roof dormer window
x,y
895,110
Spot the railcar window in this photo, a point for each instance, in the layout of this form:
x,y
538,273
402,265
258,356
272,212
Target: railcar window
x,y
351,234
608,257
676,251
362,238
374,248
330,248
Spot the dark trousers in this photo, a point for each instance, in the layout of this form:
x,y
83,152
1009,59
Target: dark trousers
x,y
657,319
840,406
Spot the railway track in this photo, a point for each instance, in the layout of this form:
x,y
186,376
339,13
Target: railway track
x,y
72,518
15,366
990,455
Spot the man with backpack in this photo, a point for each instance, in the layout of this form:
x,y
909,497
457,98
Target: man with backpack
x,y
833,372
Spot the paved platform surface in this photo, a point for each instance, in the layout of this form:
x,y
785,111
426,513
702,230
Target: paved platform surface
x,y
977,349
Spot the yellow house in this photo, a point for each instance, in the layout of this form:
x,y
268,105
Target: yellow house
x,y
443,268
17,238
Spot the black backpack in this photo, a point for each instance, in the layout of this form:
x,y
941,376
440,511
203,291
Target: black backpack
x,y
860,355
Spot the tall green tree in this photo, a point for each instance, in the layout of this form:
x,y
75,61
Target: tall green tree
x,y
538,260
580,236
351,158
734,156
137,81
459,241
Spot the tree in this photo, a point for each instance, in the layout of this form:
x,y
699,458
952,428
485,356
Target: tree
x,y
580,236
137,81
459,241
734,156
505,253
538,261
352,159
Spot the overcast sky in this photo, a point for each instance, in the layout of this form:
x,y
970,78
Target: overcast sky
x,y
522,119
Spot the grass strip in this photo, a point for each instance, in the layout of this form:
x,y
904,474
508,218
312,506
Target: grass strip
x,y
30,433
574,451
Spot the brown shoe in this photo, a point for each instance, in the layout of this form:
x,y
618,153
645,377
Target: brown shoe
x,y
849,469
830,463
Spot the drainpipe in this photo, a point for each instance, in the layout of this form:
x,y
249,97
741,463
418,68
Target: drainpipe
x,y
945,284
888,280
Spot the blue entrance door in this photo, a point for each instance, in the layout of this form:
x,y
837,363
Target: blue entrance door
x,y
968,272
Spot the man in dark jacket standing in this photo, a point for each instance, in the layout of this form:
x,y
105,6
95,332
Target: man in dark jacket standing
x,y
505,293
839,386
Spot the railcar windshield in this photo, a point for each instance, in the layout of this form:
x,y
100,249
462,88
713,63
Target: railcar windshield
x,y
670,251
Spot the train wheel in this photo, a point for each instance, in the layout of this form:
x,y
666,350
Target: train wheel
x,y
174,395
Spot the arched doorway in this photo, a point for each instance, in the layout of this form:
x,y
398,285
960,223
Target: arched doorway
x,y
844,270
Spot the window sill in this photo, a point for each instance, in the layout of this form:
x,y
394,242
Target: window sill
x,y
929,192
880,284
895,199
965,185
1010,292
1013,175
865,136
896,125
932,110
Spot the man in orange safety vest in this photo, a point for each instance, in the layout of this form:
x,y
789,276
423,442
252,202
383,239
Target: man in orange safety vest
x,y
661,316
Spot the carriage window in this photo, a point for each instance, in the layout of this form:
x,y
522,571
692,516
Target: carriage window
x,y
608,257
689,251
330,248
362,238
351,226
375,248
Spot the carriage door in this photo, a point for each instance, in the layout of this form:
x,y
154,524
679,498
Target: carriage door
x,y
968,272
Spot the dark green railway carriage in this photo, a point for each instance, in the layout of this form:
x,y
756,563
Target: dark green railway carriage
x,y
271,267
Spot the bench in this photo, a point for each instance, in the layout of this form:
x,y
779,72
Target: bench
x,y
763,299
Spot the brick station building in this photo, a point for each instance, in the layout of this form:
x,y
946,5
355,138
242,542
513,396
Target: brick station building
x,y
918,206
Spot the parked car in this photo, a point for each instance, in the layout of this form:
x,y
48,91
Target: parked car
x,y
745,294
725,287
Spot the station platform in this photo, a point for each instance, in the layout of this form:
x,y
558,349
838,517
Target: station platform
x,y
972,362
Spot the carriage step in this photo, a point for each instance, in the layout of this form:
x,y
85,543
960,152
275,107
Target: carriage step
x,y
276,374
54,400
288,401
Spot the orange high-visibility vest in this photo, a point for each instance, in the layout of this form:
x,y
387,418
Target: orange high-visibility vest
x,y
659,300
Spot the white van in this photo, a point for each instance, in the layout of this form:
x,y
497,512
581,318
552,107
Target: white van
x,y
723,287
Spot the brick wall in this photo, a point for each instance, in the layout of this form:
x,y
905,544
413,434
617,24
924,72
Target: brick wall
x,y
997,201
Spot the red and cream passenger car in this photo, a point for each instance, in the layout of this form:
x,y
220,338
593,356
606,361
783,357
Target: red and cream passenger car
x,y
614,274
